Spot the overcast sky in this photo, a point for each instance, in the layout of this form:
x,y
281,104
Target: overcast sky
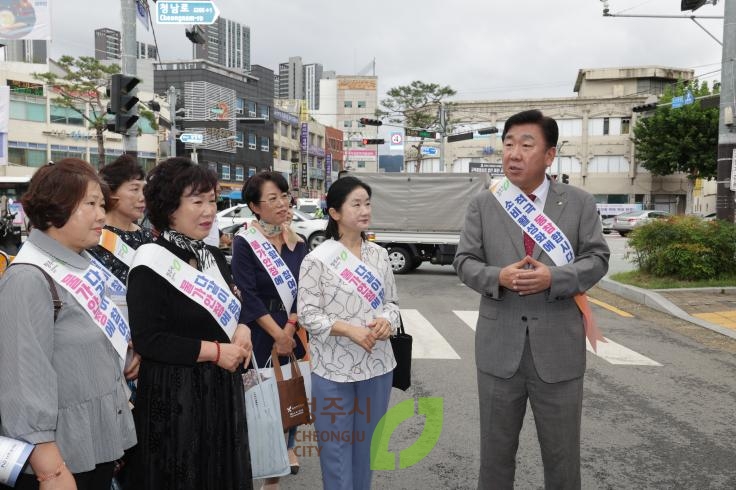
x,y
484,49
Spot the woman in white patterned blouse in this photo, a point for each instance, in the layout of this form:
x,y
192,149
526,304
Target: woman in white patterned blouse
x,y
350,322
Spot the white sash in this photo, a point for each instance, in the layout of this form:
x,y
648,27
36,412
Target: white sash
x,y
112,242
352,271
277,269
534,222
90,289
13,455
201,288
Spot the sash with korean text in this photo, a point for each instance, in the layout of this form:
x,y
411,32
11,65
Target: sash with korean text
x,y
112,242
201,288
549,237
90,288
13,455
275,266
352,271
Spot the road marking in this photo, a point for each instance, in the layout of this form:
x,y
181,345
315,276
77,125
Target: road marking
x,y
723,318
469,317
610,308
428,342
609,351
618,354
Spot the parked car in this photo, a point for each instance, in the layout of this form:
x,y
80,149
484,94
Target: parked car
x,y
607,225
308,206
626,222
311,230
234,215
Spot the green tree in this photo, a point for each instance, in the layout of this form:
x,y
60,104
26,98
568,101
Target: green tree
x,y
416,106
679,140
81,88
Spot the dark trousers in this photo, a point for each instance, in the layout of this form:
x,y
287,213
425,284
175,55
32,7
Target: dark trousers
x,y
557,409
97,479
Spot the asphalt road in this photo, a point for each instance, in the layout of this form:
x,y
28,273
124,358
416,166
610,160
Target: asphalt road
x,y
659,407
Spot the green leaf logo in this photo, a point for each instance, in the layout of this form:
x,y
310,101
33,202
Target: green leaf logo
x,y
431,408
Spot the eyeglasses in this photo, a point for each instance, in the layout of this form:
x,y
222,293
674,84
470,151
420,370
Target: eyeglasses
x,y
275,200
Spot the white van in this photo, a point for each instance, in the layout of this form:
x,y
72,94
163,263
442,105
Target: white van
x,y
308,206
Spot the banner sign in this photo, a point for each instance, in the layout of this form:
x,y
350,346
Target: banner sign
x,y
328,170
25,19
4,122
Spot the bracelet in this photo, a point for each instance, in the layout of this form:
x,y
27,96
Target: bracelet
x,y
291,322
51,476
217,357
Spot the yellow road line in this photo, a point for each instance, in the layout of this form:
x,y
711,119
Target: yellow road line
x,y
610,308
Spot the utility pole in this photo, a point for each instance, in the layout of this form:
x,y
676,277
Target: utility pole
x,y
128,56
443,133
171,94
726,138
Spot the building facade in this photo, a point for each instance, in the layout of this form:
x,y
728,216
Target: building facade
x,y
595,147
108,46
210,103
228,44
26,51
343,101
41,131
296,80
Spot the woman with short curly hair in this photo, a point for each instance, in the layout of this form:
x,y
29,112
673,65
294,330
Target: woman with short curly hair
x,y
189,413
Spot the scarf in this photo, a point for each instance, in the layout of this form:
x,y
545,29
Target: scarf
x,y
270,231
205,260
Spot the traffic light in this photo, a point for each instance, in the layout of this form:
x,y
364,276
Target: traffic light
x,y
122,104
691,4
421,133
645,107
196,35
488,131
370,122
376,141
565,179
459,137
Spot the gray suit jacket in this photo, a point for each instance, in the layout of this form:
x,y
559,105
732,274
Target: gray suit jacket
x,y
490,241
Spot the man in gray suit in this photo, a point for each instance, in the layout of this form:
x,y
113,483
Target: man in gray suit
x,y
530,340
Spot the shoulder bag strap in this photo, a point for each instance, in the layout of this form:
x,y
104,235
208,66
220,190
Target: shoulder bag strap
x,y
54,292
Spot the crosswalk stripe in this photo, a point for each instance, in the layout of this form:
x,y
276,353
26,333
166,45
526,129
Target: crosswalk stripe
x,y
618,354
428,343
609,351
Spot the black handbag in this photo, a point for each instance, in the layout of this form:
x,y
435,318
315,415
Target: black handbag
x,y
401,344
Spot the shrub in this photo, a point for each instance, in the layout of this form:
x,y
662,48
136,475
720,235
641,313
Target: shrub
x,y
685,247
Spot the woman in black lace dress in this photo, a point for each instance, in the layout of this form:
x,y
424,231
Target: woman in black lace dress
x,y
190,408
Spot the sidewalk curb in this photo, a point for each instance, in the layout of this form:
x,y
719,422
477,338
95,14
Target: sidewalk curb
x,y
656,301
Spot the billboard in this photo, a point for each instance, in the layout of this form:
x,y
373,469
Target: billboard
x,y
25,19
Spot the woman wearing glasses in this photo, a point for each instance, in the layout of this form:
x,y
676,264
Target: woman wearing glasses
x,y
266,260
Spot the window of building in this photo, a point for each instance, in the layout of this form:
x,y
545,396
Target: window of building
x,y
568,127
264,111
239,174
239,106
294,132
606,125
625,125
608,164
347,103
27,156
347,124
284,154
225,175
566,165
65,115
251,141
361,104
284,130
28,111
320,141
239,139
265,144
251,109
361,164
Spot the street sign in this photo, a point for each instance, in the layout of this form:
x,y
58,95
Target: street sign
x,y
397,141
689,99
430,150
192,138
421,133
187,12
733,170
678,102
495,169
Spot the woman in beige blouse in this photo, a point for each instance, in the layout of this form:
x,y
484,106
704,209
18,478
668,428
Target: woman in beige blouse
x,y
352,359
